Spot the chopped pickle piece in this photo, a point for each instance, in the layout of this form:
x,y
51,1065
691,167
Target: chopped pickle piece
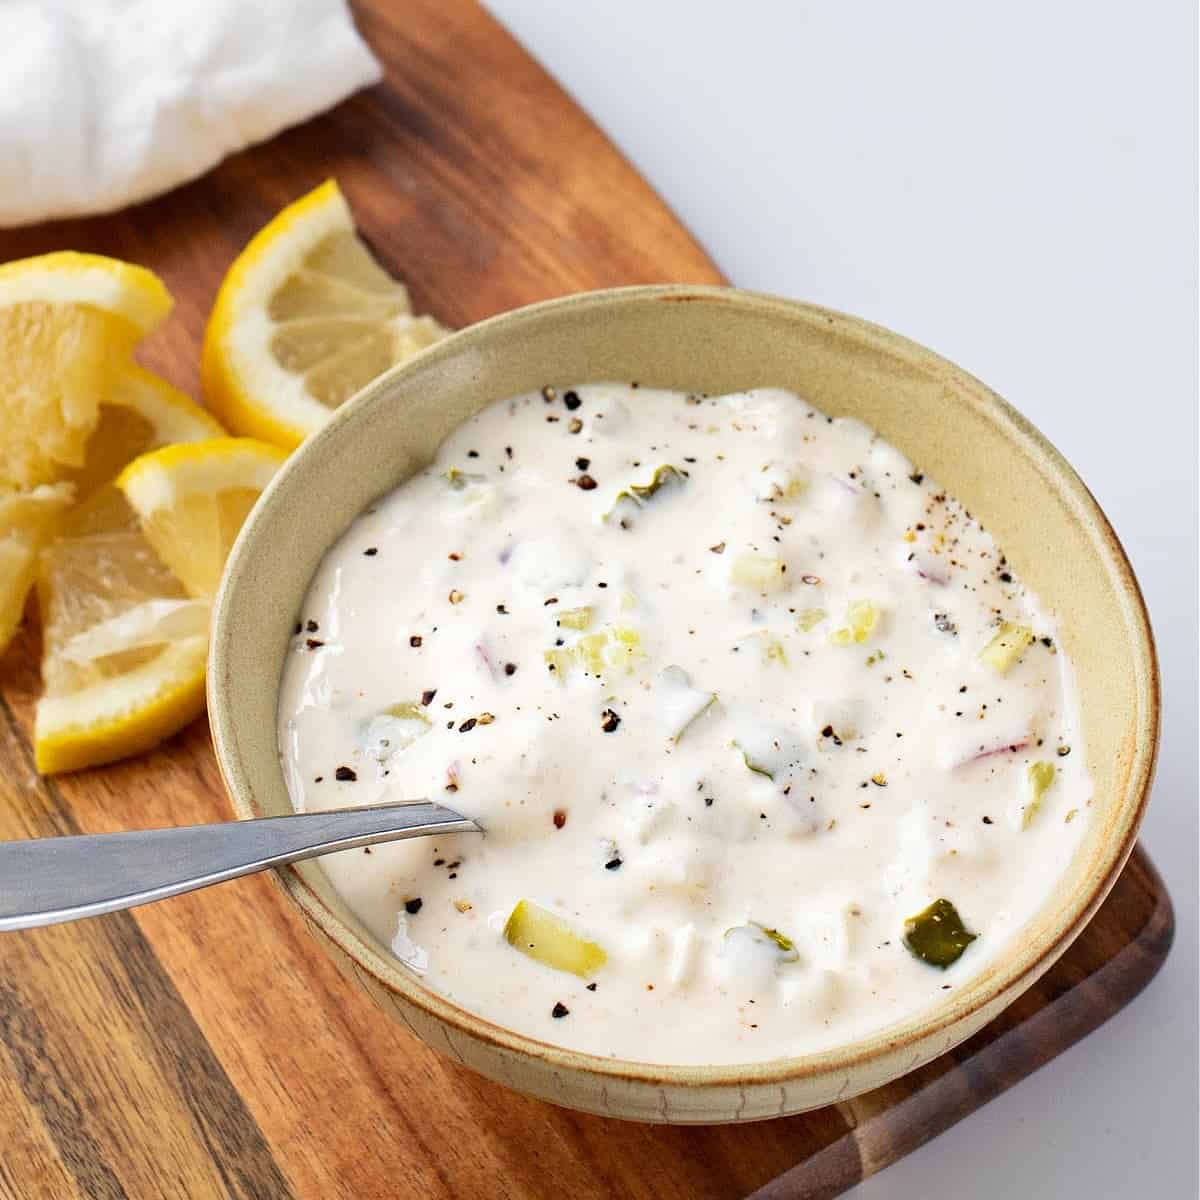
x,y
560,661
810,618
758,572
476,494
575,618
1006,647
760,933
548,939
610,648
767,748
937,935
679,702
768,647
591,651
753,764
629,500
626,647
785,943
782,483
1041,776
460,480
662,476
861,618
623,511
394,729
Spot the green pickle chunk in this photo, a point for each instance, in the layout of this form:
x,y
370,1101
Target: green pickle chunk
x,y
937,935
810,618
785,943
753,764
460,480
758,573
548,939
662,475
756,929
1006,647
861,618
609,649
1041,778
560,661
406,710
575,618
393,730
679,702
629,500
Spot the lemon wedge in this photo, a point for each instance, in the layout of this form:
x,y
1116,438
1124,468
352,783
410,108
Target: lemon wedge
x,y
141,413
68,325
191,500
124,646
125,590
304,318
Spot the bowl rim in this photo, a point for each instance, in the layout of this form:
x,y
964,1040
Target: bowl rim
x,y
1009,975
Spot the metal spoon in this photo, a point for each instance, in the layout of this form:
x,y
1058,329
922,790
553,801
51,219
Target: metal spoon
x,y
44,881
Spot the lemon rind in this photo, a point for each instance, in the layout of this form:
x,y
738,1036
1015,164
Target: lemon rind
x,y
122,716
162,477
176,417
70,277
239,328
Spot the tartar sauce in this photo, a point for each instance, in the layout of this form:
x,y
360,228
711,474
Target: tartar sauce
x,y
771,745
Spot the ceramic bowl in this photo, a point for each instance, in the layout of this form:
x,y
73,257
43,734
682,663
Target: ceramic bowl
x,y
711,340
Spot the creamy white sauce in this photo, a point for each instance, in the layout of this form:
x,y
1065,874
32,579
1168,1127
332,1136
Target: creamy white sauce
x,y
897,766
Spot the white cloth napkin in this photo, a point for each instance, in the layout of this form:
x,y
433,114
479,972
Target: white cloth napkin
x,y
107,102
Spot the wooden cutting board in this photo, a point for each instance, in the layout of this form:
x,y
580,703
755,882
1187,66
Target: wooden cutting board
x,y
205,1047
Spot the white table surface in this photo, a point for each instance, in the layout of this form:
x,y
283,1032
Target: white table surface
x,y
1015,186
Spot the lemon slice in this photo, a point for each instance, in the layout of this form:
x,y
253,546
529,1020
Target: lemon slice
x,y
142,412
192,500
68,324
124,646
304,319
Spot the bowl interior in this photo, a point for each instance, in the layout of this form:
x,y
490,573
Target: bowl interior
x,y
709,340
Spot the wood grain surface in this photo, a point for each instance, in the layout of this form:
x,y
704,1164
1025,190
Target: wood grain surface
x,y
204,1046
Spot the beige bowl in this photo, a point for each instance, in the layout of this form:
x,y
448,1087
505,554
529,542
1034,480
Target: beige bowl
x,y
710,340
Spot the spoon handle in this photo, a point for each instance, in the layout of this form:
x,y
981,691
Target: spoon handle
x,y
44,881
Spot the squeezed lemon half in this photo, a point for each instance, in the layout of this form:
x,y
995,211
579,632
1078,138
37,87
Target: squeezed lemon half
x,y
68,325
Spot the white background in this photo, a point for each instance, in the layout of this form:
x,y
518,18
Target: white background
x,y
1015,186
